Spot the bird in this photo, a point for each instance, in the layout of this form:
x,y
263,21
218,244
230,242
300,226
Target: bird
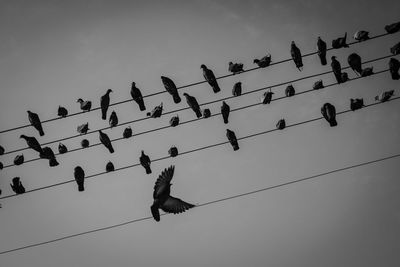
x,y
354,61
296,56
344,77
328,111
145,162
384,96
361,36
367,71
356,103
193,104
113,121
105,140
337,69
225,110
62,148
32,142
85,143
47,153
392,28
237,89
173,151
156,112
235,67
83,129
19,159
394,66
85,105
162,198
210,78
340,42
267,97
79,175
206,113
318,85
395,50
174,121
1,165
263,62
289,91
137,96
2,150
110,167
105,103
170,87
62,112
281,124
35,122
321,48
17,186
232,139
127,132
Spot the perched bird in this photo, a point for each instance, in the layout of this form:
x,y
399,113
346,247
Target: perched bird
x,y
174,121
263,62
321,48
394,66
384,96
47,153
206,113
192,102
85,143
337,69
235,67
173,151
137,96
237,89
32,142
79,175
340,42
105,140
85,105
35,122
127,132
210,78
267,97
145,162
318,85
2,150
113,121
62,112
1,165
392,28
367,72
62,149
395,50
356,103
105,103
83,129
110,167
296,56
361,36
162,198
232,139
225,110
19,159
156,112
289,91
17,186
329,112
281,124
354,61
170,87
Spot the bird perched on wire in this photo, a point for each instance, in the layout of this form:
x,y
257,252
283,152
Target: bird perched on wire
x,y
85,105
162,198
384,96
17,186
263,62
105,103
32,142
328,111
145,162
206,113
47,153
361,36
354,61
156,112
2,150
137,96
83,128
337,69
237,89
394,66
392,28
62,112
19,159
232,139
367,71
173,151
174,121
105,140
267,97
79,175
193,104
357,103
1,165
62,149
340,42
235,67
281,124
170,87
225,110
296,56
110,167
35,122
210,78
113,121
321,48
289,91
127,132
318,85
85,143
395,50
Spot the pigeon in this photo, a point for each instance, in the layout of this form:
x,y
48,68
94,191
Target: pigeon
x,y
394,66
1,165
170,87
384,96
225,110
356,103
145,162
237,89
340,42
173,151
19,159
2,150
344,77
62,112
296,56
32,142
35,122
281,124
263,62
17,186
232,139
354,61
113,121
392,28
174,121
110,167
267,97
85,143
289,91
162,198
105,140
192,102
206,113
83,129
62,149
337,69
235,67
321,48
329,112
367,72
85,105
395,50
47,153
104,103
361,36
79,175
137,96
318,85
156,112
127,132
210,78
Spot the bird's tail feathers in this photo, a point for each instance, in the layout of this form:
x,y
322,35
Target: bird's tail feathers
x,y
141,106
53,162
155,212
333,123
148,170
177,98
81,187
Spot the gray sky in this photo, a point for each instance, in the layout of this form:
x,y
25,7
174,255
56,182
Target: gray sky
x,y
53,52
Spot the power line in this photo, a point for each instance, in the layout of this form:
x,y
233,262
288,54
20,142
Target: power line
x,y
205,203
193,150
206,103
188,85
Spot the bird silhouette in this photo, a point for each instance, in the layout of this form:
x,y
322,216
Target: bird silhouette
x,y
384,96
113,121
83,128
235,67
1,165
289,91
145,162
47,153
318,85
237,89
232,139
110,167
193,104
281,124
210,78
62,148
85,143
105,140
105,103
62,112
394,66
367,71
340,42
174,121
84,105
2,150
32,142
137,96
267,97
361,36
17,186
206,113
354,61
328,111
156,112
127,132
337,69
357,103
79,175
19,159
170,87
395,50
263,62
225,110
173,151
296,56
392,28
35,122
321,48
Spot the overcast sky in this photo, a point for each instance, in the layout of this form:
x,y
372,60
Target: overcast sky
x,y
54,52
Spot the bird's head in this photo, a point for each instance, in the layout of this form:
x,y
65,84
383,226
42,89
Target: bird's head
x,y
109,91
142,152
293,43
163,78
29,112
185,94
203,66
333,57
230,63
22,136
79,100
133,83
256,60
351,100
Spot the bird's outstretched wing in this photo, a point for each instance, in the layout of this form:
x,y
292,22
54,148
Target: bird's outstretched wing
x,y
175,205
164,179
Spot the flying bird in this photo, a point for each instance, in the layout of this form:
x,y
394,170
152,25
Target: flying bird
x,y
206,113
127,132
62,112
367,71
237,89
357,103
35,122
19,159
137,96
110,167
210,78
62,149
361,36
394,66
392,28
156,112
193,104
281,124
174,121
85,143
85,105
289,91
32,142
232,139
354,61
105,103
321,48
17,186
79,175
47,153
105,140
235,67
384,96
340,42
173,151
170,87
225,110
263,62
145,162
296,56
162,198
395,50
337,69
113,121
318,85
83,129
329,113
267,97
